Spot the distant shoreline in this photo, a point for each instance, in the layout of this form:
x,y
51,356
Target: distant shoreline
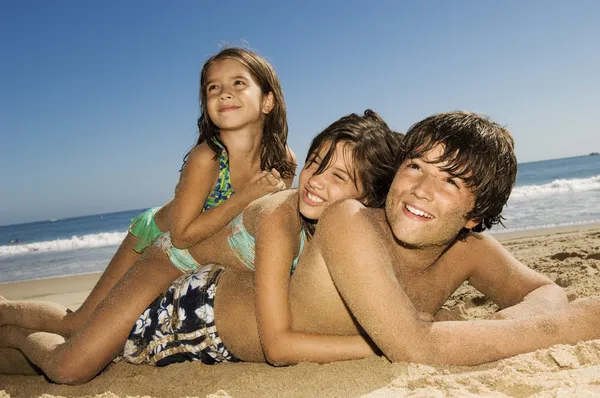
x,y
46,287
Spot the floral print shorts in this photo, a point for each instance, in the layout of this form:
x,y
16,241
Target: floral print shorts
x,y
179,325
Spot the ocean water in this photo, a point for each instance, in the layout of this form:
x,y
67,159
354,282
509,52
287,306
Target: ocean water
x,y
548,193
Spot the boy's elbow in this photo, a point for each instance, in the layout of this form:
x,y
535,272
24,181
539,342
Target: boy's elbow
x,y
422,348
412,355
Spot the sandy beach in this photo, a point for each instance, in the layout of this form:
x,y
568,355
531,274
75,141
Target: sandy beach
x,y
569,256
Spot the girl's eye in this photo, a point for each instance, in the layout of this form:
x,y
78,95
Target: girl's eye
x,y
339,177
238,82
312,161
211,87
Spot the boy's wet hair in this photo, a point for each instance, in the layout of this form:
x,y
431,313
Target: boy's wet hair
x,y
476,149
375,153
275,130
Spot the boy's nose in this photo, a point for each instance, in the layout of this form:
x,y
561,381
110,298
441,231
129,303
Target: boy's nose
x,y
425,187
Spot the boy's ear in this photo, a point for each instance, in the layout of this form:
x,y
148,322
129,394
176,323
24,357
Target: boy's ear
x,y
268,103
472,223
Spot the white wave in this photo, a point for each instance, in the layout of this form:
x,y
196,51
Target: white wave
x,y
76,242
559,186
499,230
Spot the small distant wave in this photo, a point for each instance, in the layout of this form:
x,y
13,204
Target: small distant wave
x,y
500,230
559,186
76,242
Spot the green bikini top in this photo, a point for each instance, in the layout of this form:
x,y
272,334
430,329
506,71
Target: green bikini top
x,y
222,190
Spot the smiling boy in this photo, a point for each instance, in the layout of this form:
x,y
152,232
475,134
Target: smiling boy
x,y
372,270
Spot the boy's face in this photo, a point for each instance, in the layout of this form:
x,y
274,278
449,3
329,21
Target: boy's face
x,y
317,191
427,206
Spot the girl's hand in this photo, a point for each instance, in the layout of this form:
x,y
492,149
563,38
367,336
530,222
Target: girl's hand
x,y
263,183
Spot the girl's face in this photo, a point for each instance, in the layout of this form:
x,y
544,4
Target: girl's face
x,y
317,191
233,99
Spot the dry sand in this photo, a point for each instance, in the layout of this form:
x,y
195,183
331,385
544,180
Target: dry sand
x,y
571,257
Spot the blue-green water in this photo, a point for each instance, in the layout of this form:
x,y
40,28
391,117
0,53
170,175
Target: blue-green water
x,y
548,193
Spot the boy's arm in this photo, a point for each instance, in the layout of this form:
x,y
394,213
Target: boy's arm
x,y
517,289
364,276
277,234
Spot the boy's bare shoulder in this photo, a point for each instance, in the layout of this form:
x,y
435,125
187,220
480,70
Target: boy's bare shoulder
x,y
477,242
469,252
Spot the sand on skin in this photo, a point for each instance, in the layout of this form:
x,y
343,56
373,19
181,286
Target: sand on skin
x,y
570,256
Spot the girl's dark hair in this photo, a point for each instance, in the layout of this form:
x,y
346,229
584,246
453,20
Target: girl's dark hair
x,y
476,149
275,129
375,152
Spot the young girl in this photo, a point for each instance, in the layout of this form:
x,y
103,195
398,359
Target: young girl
x,y
355,157
243,132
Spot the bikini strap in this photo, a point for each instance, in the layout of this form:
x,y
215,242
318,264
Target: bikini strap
x,y
302,239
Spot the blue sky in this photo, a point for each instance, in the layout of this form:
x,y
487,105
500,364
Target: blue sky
x,y
98,100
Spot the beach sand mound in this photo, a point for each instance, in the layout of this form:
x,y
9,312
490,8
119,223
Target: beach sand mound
x,y
569,258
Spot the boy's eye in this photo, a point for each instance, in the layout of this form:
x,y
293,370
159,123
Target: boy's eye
x,y
238,82
452,182
413,166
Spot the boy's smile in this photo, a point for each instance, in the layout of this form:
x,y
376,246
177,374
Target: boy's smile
x,y
427,206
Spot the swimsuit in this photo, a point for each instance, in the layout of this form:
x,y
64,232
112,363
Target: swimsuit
x,y
179,325
144,227
180,258
240,241
243,244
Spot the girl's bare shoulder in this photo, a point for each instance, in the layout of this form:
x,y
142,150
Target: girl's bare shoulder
x,y
279,206
202,154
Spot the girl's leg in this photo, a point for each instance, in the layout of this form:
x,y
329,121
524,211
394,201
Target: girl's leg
x,y
80,357
55,318
122,261
13,362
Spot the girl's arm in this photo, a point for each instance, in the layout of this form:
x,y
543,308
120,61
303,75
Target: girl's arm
x,y
277,237
187,225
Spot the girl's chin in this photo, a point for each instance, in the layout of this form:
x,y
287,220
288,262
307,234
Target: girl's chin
x,y
309,217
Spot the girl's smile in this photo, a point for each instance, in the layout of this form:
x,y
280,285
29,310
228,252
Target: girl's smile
x,y
233,99
334,183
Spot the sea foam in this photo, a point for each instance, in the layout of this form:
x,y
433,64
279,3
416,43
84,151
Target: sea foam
x,y
559,186
74,243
